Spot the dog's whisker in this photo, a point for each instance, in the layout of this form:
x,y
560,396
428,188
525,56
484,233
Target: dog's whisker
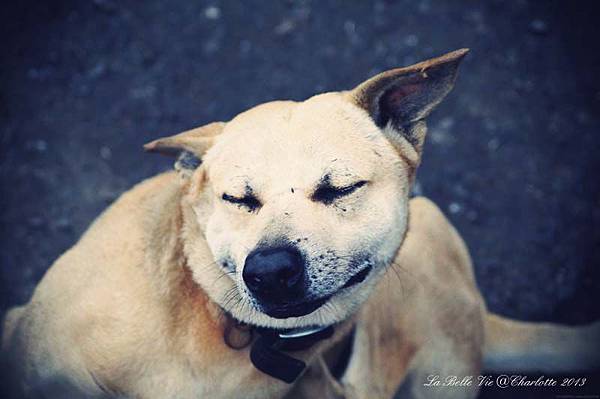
x,y
209,265
394,267
232,297
398,269
238,306
223,274
229,296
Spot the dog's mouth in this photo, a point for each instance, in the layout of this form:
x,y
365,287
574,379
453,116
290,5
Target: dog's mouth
x,y
358,277
305,308
296,310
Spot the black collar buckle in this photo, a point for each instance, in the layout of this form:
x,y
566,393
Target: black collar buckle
x,y
266,352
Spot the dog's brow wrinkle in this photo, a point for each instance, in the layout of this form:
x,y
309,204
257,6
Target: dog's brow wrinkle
x,y
247,188
325,180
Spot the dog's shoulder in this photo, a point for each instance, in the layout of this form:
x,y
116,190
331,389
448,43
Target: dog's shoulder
x,y
425,214
98,294
433,243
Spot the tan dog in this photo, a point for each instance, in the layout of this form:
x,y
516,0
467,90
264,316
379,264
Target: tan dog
x,y
297,218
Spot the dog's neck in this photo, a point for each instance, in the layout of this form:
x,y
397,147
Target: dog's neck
x,y
269,344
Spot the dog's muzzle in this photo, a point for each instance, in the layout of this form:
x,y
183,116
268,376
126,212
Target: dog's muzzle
x,y
276,277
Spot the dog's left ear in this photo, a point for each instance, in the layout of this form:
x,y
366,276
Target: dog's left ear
x,y
188,147
402,97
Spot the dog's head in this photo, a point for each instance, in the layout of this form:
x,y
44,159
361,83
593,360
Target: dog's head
x,y
303,205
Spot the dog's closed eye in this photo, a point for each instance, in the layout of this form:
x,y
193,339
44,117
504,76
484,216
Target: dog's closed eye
x,y
249,201
327,193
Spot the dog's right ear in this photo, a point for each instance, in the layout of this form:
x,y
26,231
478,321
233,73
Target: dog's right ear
x,y
403,97
188,147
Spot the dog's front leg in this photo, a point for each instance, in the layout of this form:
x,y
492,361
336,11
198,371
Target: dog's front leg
x,y
378,364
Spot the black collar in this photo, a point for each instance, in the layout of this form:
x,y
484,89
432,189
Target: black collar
x,y
266,352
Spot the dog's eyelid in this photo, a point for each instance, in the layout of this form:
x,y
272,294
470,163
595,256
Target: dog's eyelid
x,y
350,187
327,193
248,200
356,185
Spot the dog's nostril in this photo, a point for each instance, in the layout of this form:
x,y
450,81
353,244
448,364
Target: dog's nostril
x,y
275,274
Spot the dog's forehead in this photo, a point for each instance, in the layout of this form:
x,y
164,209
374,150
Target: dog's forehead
x,y
325,117
298,142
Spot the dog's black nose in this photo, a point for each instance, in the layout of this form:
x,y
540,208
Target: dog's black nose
x,y
275,275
